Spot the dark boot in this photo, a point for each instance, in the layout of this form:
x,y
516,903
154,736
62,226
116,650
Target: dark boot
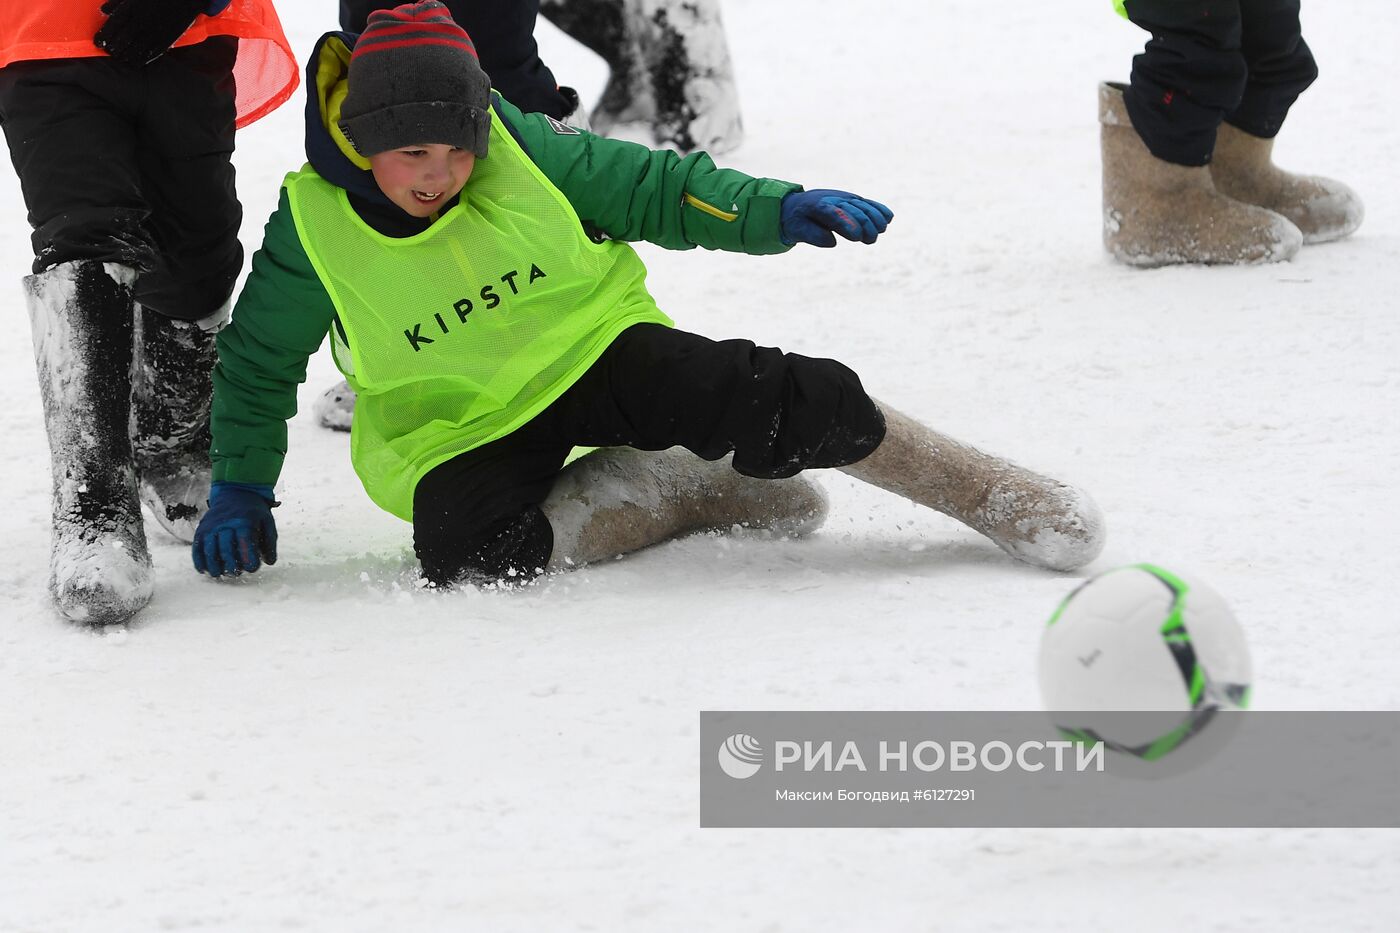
x,y
172,384
81,314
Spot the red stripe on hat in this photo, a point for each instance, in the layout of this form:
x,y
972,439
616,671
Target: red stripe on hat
x,y
447,29
435,22
372,47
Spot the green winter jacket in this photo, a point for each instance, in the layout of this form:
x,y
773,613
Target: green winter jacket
x,y
618,189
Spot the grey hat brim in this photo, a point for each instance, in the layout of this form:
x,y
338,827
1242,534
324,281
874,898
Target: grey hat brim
x,y
419,122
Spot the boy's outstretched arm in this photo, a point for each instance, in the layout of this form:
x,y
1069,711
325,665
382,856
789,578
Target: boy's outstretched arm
x,y
630,192
282,315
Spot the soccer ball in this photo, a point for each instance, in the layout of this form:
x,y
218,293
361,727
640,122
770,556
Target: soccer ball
x,y
1137,639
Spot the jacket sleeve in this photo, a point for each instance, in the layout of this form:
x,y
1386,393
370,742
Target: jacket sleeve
x,y
281,318
630,192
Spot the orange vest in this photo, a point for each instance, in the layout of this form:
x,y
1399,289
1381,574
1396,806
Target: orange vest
x,y
266,71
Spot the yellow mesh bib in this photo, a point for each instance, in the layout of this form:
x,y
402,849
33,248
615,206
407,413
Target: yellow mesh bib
x,y
461,334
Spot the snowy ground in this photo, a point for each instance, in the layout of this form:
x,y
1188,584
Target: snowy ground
x,y
317,747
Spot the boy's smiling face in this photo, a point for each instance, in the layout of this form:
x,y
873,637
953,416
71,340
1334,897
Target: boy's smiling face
x,y
420,179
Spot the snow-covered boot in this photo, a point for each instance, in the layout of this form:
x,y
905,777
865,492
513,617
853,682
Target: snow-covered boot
x,y
617,500
172,384
336,407
577,115
1243,168
81,313
686,56
1157,213
1032,517
669,64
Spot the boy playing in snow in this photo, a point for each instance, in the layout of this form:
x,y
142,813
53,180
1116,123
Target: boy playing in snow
x,y
504,31
468,263
669,68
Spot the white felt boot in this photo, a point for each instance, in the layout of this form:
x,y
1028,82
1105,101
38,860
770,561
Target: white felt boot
x,y
617,500
81,314
1033,518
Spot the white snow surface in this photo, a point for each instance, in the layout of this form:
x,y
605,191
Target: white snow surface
x,y
320,746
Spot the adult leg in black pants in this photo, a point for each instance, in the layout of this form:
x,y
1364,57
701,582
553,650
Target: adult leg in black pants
x,y
1279,66
127,178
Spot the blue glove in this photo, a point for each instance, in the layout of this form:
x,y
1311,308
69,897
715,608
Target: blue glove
x,y
812,216
237,533
138,32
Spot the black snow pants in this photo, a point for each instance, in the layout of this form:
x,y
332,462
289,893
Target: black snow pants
x,y
477,517
131,165
503,32
1241,61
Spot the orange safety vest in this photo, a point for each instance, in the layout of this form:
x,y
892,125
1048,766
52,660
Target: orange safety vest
x,y
265,73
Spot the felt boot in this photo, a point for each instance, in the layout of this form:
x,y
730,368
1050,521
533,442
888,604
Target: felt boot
x,y
669,68
617,500
81,314
1033,518
335,409
1156,213
1243,168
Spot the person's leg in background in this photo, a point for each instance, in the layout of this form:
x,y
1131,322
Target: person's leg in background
x,y
669,65
1158,135
127,177
186,143
1280,67
1188,76
74,146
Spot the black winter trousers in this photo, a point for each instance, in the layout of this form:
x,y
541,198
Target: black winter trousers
x,y
132,166
503,32
477,517
1242,61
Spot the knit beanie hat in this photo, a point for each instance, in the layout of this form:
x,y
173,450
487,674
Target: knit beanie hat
x,y
415,78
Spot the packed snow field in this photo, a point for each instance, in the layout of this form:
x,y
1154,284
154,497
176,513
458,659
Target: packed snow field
x,y
323,746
